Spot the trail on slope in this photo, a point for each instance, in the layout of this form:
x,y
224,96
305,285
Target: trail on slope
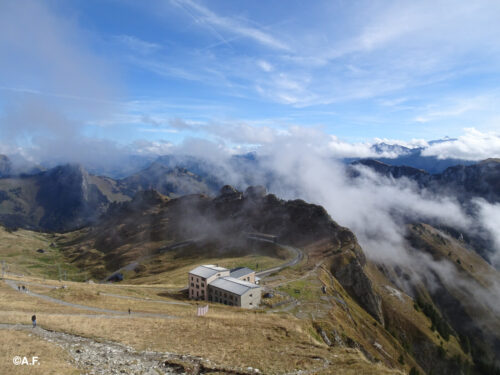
x,y
14,285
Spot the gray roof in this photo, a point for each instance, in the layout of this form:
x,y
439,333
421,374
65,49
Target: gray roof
x,y
233,285
207,270
240,272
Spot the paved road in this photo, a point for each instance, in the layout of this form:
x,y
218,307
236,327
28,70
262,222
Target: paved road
x,y
299,255
13,284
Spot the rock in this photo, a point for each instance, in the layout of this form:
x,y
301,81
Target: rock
x,y
227,190
325,338
348,270
228,194
337,338
255,192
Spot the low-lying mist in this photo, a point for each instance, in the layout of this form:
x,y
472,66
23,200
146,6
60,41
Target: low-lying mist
x,y
375,207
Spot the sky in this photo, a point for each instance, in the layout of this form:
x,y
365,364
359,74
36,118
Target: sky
x,y
145,76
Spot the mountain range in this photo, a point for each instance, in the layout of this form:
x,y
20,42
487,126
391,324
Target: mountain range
x,y
441,329
66,197
437,316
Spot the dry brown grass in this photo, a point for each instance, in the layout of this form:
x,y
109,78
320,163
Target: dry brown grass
x,y
274,344
52,359
12,300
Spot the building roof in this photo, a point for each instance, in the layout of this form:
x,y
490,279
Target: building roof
x,y
240,272
207,270
233,285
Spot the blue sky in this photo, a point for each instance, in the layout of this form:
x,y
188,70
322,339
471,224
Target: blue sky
x,y
245,73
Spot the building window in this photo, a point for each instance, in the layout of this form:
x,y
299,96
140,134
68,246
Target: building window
x,y
202,284
250,303
197,286
192,285
251,295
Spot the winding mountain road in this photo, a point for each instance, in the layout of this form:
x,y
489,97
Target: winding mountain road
x,y
299,255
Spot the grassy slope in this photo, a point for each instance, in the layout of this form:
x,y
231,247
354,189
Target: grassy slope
x,y
19,251
21,194
274,343
359,332
472,275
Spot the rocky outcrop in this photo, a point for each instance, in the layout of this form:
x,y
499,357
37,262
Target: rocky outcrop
x,y
255,192
348,269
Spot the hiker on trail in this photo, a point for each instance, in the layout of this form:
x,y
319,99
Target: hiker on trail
x,y
33,319
129,311
23,288
19,287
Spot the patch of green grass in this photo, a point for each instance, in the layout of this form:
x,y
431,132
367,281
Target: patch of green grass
x,y
304,289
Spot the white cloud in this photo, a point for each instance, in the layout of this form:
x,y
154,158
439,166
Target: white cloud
x,y
265,66
243,133
60,85
138,45
489,214
473,145
456,107
144,147
204,16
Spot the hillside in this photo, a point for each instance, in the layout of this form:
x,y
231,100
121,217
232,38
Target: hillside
x,y
59,199
343,301
367,306
172,181
67,197
461,181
